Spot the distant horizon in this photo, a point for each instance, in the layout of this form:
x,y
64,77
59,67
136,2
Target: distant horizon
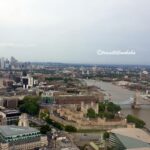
x,y
75,63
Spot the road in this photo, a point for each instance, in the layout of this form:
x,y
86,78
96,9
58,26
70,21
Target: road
x,y
37,121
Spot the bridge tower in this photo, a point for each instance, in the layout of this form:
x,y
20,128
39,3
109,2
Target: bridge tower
x,y
135,104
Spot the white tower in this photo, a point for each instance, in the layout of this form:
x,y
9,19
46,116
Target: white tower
x,y
23,120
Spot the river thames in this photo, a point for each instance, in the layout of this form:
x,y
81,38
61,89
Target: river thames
x,y
122,96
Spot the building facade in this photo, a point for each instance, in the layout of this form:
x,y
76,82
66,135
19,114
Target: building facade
x,y
21,138
9,116
129,139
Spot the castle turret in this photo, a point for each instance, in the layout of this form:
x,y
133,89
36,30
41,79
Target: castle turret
x,y
23,120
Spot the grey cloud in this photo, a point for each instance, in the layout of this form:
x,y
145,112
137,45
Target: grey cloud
x,y
72,31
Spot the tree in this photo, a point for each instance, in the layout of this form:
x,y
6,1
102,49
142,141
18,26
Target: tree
x,y
48,120
102,107
55,124
44,114
111,107
44,129
58,125
30,105
108,110
91,113
106,135
109,115
138,122
69,128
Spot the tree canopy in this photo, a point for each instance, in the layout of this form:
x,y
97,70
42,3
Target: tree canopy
x,y
30,105
111,107
108,110
138,122
44,129
106,135
69,128
91,113
54,123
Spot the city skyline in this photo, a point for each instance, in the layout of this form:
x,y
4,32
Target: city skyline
x,y
73,32
9,61
74,74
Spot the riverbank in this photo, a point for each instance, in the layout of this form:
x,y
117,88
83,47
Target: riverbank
x,y
122,97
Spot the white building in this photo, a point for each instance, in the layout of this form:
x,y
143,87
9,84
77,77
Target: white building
x,y
27,81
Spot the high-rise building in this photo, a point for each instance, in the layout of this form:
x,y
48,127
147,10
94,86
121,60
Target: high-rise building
x,y
7,64
2,63
13,61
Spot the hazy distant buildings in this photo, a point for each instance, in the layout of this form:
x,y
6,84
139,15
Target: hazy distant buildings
x,y
144,75
2,63
8,64
87,72
13,61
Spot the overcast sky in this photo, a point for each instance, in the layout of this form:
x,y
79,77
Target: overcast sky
x,y
74,30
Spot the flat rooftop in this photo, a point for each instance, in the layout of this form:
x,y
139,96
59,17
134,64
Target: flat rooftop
x,y
13,130
10,111
135,133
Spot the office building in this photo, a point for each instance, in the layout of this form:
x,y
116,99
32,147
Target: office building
x,y
9,116
21,138
130,139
